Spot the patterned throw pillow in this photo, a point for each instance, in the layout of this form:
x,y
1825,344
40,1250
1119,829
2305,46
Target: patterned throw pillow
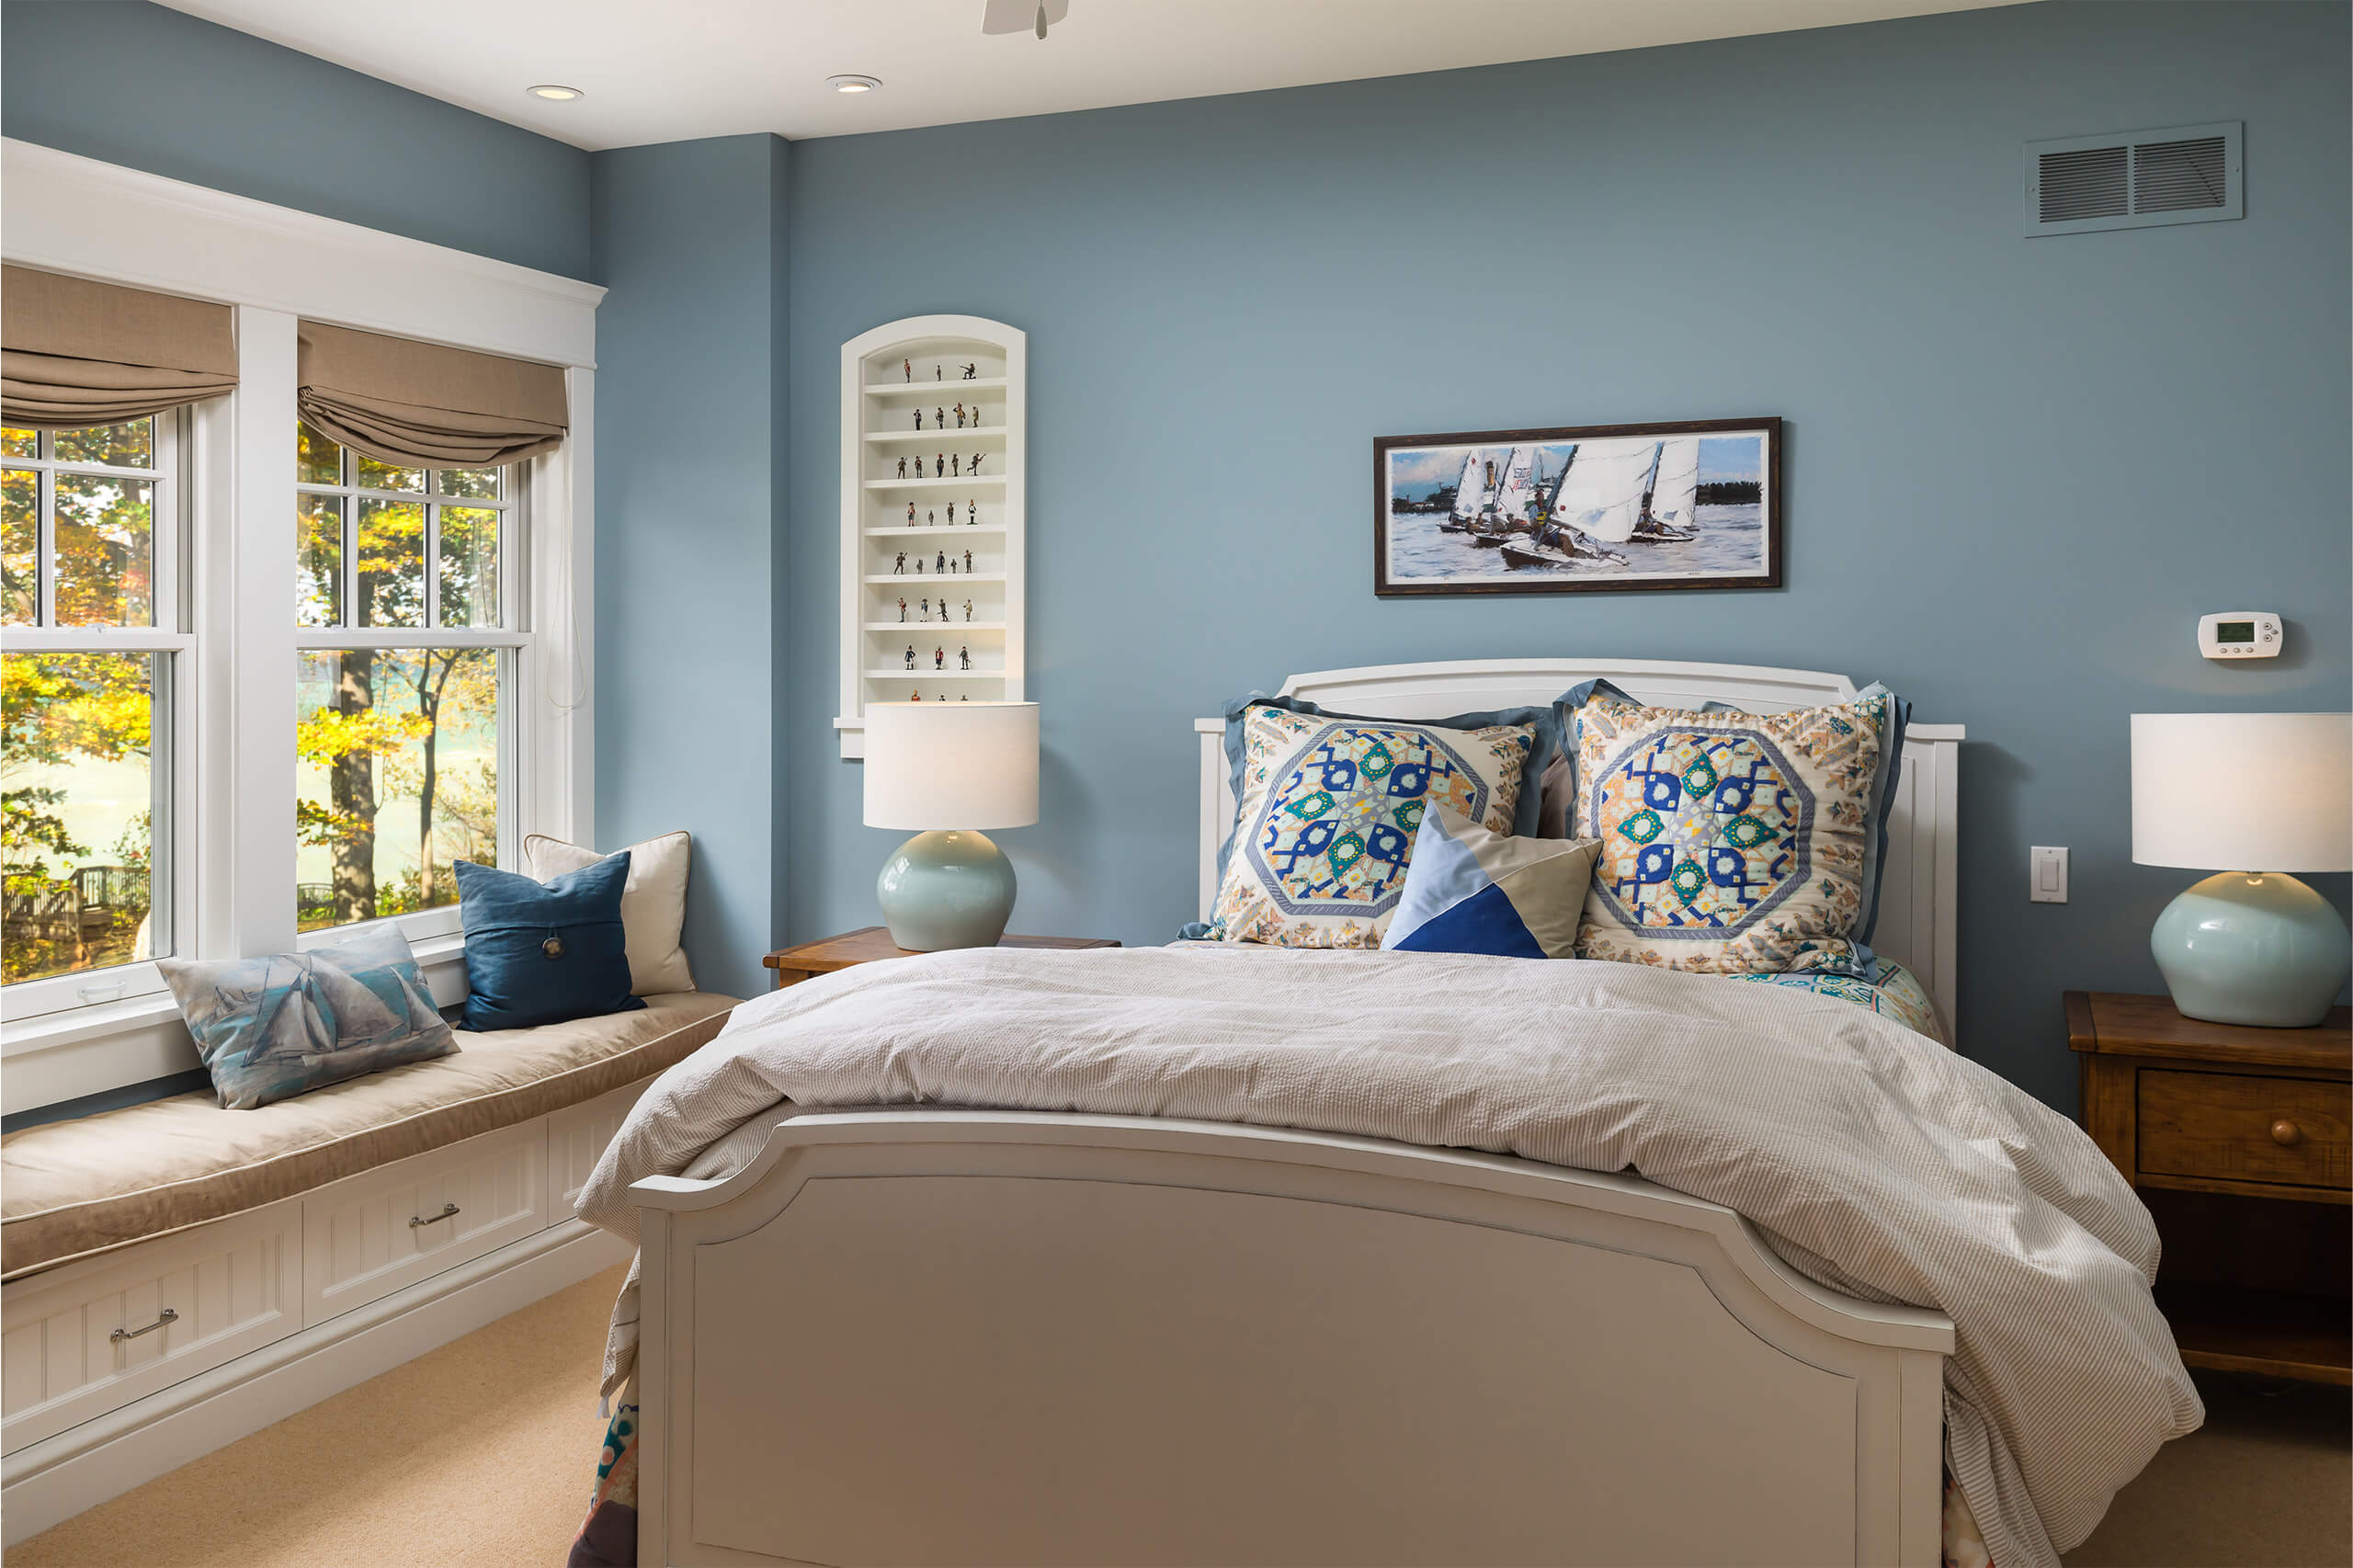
x,y
1469,890
1328,809
1897,993
269,1028
1734,842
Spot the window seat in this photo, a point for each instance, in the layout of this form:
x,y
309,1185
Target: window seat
x,y
72,1189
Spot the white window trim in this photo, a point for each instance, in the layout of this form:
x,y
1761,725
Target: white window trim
x,y
64,213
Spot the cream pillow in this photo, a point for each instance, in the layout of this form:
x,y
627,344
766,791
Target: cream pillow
x,y
654,902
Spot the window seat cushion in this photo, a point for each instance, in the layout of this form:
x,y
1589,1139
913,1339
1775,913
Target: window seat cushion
x,y
69,1189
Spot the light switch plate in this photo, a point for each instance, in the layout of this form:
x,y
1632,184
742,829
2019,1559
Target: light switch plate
x,y
2047,874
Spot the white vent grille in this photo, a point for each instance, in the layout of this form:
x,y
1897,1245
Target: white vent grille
x,y
2187,174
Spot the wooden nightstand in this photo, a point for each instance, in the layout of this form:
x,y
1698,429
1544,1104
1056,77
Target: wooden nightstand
x,y
2241,1143
865,945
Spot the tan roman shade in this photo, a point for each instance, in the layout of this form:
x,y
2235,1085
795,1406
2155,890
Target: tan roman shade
x,y
421,406
74,353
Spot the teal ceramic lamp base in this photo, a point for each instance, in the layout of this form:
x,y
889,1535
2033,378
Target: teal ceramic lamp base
x,y
946,889
2243,948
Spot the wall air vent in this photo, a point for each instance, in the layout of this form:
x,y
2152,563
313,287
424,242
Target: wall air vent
x,y
2190,174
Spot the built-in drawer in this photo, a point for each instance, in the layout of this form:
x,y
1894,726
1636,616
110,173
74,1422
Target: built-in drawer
x,y
2238,1127
86,1339
373,1233
576,1140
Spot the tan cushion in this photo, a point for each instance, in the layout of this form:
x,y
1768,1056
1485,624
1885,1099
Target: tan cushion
x,y
72,1189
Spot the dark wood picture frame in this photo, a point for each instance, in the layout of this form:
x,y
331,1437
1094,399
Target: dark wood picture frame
x,y
1601,578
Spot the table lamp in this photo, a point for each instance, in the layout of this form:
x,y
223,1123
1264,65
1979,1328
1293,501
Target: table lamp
x,y
947,769
2256,796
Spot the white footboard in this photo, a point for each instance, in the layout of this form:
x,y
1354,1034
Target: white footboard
x,y
997,1337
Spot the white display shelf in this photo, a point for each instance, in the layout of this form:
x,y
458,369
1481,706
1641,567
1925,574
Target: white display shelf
x,y
876,438
931,390
953,482
960,626
923,672
911,438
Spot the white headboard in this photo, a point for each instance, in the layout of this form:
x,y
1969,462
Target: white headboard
x,y
1917,905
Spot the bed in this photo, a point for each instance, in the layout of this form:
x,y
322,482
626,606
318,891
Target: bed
x,y
1037,1334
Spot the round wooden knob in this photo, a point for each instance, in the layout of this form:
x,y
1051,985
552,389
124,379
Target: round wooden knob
x,y
2286,1133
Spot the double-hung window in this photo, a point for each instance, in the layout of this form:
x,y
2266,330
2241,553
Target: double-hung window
x,y
90,549
410,638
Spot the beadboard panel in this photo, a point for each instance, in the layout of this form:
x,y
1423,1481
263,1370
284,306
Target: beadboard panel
x,y
372,1234
232,1286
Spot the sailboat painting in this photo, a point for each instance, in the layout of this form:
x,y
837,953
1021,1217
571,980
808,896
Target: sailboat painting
x,y
1691,504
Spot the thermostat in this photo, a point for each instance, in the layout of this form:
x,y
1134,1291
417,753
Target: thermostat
x,y
2239,634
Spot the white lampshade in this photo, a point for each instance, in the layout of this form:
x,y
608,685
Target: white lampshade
x,y
2243,792
937,766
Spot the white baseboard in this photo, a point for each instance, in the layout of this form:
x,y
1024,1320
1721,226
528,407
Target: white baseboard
x,y
59,1477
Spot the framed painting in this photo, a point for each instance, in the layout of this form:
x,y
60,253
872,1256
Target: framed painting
x,y
1587,509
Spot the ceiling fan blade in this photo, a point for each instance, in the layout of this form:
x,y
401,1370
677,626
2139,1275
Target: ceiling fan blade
x,y
1022,16
1009,16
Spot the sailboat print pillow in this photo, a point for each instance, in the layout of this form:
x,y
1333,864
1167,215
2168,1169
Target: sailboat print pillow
x,y
269,1029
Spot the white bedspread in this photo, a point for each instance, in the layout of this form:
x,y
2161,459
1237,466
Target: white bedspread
x,y
1874,1161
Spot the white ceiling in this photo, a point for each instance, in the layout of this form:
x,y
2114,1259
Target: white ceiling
x,y
673,70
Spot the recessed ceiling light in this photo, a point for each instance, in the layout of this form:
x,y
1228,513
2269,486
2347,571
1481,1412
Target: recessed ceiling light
x,y
555,94
853,83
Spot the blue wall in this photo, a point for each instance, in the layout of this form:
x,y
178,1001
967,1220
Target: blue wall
x,y
690,451
2018,469
154,89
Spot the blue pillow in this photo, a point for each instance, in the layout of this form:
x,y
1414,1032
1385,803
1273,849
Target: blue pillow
x,y
541,953
271,1028
1469,890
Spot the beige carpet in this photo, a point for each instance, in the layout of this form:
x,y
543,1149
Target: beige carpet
x,y
483,1453
479,1455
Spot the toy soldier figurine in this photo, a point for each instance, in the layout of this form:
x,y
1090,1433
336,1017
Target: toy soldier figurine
x,y
968,608
903,468
951,514
918,565
902,607
954,459
931,519
918,465
939,419
943,563
968,561
938,466
923,608
972,513
960,417
976,464
965,653
918,418
971,371
911,514
901,569
939,658
911,655
909,367
913,696
938,374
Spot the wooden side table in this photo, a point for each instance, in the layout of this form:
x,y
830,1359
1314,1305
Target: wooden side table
x,y
869,943
2241,1143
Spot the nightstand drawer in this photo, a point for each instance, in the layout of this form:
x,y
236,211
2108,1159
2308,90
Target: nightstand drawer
x,y
2232,1126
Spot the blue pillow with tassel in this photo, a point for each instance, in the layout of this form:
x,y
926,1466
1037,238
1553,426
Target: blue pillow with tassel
x,y
542,952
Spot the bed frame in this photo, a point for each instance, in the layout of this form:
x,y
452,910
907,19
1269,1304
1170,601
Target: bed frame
x,y
925,1335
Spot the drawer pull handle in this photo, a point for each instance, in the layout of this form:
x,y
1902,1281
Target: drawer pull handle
x,y
2286,1133
449,1212
119,1335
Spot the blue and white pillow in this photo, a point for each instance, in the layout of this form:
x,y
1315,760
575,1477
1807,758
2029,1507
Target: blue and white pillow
x,y
269,1028
1470,891
543,952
